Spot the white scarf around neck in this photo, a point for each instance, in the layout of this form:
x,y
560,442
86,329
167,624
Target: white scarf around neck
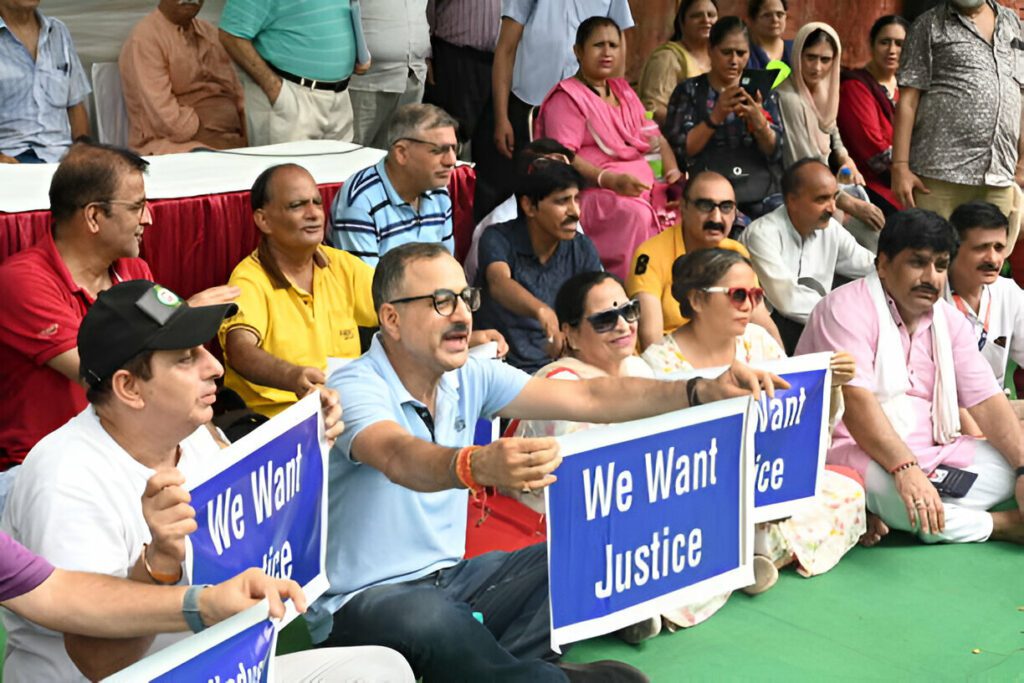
x,y
892,381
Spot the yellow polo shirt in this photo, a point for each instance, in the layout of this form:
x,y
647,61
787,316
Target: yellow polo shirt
x,y
300,327
651,271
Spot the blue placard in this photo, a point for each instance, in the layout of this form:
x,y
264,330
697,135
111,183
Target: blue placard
x,y
647,516
265,509
791,436
242,658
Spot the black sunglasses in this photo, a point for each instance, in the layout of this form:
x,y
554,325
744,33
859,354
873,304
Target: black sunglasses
x,y
605,321
707,206
445,300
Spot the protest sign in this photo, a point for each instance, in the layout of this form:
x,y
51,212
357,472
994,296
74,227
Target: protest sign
x,y
237,650
263,503
791,436
648,516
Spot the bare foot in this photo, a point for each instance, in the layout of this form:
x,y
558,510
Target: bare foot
x,y
876,530
1007,526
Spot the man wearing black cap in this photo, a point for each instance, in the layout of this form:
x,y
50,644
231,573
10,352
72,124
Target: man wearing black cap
x,y
151,385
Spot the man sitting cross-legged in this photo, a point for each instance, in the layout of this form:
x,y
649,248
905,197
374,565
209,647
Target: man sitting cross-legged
x,y
77,498
397,575
917,364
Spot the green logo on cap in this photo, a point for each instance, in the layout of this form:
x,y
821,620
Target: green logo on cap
x,y
166,297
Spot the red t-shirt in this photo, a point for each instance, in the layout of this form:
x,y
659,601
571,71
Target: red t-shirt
x,y
42,309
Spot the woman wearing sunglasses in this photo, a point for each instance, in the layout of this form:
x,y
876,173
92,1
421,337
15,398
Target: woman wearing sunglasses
x,y
717,290
599,323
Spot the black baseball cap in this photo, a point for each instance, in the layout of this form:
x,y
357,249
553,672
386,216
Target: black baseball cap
x,y
136,316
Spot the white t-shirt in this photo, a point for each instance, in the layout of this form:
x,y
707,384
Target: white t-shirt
x,y
77,502
1002,306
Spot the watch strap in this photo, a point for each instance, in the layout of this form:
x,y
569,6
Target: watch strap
x,y
190,607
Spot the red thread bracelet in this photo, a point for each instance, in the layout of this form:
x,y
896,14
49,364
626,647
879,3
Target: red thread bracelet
x,y
905,466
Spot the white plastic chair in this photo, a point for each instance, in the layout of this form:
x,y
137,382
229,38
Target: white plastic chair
x,y
111,115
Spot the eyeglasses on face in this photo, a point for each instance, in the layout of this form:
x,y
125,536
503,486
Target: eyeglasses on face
x,y
435,149
136,207
707,206
739,295
445,300
605,321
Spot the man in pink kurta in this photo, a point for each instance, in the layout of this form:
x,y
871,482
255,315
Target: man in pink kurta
x,y
180,88
913,255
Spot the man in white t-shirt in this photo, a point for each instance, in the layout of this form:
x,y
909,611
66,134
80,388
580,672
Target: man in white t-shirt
x,y
993,305
76,501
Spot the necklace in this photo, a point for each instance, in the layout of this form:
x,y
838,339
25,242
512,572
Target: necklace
x,y
584,81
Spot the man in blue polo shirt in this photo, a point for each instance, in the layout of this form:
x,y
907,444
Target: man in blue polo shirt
x,y
42,86
399,473
524,262
404,197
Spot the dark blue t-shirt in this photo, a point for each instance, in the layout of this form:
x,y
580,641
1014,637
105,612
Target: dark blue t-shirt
x,y
510,243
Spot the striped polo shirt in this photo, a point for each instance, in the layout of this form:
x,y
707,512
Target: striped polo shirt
x,y
369,218
308,38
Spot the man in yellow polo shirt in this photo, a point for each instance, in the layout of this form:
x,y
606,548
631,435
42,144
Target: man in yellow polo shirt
x,y
709,209
302,303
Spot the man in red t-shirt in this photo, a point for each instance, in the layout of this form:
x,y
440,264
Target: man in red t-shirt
x,y
98,201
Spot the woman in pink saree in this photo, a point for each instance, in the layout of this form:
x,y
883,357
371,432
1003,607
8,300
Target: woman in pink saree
x,y
602,120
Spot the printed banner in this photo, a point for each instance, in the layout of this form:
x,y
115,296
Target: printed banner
x,y
649,516
265,504
237,650
791,436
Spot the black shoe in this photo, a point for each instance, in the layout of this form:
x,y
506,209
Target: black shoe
x,y
604,671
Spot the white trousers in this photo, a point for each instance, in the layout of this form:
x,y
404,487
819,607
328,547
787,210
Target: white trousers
x,y
967,518
299,113
366,664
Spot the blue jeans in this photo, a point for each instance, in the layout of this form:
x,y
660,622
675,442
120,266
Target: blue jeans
x,y
29,157
430,621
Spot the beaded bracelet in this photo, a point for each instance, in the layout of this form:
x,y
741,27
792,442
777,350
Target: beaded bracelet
x,y
905,466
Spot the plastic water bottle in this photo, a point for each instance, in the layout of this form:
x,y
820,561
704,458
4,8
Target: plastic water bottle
x,y
845,176
653,135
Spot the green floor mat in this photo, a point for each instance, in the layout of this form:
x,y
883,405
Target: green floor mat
x,y
901,611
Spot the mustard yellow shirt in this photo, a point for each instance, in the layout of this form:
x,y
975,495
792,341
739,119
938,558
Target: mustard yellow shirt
x,y
303,328
651,271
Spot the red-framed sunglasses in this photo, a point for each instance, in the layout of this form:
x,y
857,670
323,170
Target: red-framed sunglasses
x,y
739,295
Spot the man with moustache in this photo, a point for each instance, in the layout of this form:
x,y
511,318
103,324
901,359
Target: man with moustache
x,y
708,213
993,305
99,208
918,366
301,303
180,87
403,197
398,577
798,249
524,262
957,132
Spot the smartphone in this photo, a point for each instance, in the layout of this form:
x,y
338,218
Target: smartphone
x,y
758,81
952,481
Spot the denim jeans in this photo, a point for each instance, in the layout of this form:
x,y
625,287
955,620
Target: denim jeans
x,y
430,621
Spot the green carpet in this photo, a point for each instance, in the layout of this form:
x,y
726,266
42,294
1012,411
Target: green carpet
x,y
901,611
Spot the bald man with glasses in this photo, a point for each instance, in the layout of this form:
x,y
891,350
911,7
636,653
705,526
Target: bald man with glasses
x,y
396,574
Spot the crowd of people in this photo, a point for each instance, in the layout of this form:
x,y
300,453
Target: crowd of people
x,y
623,236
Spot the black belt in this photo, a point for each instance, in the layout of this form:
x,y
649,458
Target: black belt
x,y
332,86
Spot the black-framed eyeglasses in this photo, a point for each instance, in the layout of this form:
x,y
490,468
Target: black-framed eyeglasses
x,y
605,321
707,206
445,300
436,149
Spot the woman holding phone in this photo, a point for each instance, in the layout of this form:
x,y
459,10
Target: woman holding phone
x,y
715,124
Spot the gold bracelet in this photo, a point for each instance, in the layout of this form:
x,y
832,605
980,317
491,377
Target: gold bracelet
x,y
156,577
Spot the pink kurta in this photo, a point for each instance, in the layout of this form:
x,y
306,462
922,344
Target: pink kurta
x,y
845,320
572,115
176,79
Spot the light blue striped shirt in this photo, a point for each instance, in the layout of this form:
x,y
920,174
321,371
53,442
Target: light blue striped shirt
x,y
35,96
308,38
369,218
